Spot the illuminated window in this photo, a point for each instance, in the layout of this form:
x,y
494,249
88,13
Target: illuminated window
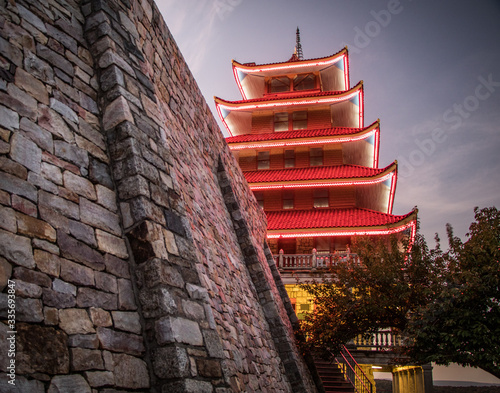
x,y
263,160
281,121
289,158
320,197
299,120
288,198
316,156
259,195
280,84
304,82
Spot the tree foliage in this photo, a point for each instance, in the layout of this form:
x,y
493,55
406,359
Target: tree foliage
x,y
446,304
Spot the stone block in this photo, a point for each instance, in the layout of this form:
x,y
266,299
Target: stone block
x,y
88,297
50,316
126,298
24,206
8,118
26,152
99,217
47,263
59,205
188,386
73,383
209,368
130,372
63,287
106,198
127,321
100,317
88,341
76,273
157,272
100,378
213,343
75,321
110,77
116,341
11,52
106,282
31,85
41,349
16,249
8,219
28,290
79,184
110,57
31,18
56,299
116,266
99,173
37,134
50,120
32,276
5,273
13,168
171,362
18,186
157,302
52,172
111,244
71,153
30,226
82,232
38,68
55,59
83,359
170,329
46,185
79,252
116,112
193,310
45,246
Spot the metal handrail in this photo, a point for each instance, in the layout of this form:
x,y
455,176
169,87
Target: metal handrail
x,y
353,373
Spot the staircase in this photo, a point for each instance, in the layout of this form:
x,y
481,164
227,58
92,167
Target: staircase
x,y
332,378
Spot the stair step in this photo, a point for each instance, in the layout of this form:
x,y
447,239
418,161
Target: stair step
x,y
332,377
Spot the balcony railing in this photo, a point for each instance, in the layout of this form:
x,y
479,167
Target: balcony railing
x,y
314,260
383,340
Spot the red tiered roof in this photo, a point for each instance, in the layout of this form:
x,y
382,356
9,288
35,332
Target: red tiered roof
x,y
311,133
330,218
315,173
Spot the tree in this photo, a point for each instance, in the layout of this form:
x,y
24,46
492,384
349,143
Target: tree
x,y
462,322
360,298
447,304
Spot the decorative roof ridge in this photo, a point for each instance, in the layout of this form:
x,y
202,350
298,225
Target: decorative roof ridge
x,y
376,171
250,65
342,209
304,133
293,96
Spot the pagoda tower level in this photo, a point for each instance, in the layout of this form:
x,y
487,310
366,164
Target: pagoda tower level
x,y
300,139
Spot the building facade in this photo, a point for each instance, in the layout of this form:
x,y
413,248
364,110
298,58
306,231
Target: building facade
x,y
300,138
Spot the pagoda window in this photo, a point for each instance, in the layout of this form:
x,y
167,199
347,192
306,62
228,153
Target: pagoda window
x,y
281,121
288,198
259,195
289,156
320,197
299,120
316,156
279,84
304,82
263,161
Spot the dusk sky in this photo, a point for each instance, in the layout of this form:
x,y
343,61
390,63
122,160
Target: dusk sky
x,y
431,72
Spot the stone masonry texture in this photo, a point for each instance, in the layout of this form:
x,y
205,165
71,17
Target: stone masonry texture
x,y
136,252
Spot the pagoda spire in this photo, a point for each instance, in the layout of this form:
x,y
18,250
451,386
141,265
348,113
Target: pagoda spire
x,y
298,47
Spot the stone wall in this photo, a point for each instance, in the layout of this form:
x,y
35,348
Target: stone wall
x,y
133,247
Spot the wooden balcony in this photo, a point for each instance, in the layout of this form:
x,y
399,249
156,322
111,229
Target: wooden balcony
x,y
314,260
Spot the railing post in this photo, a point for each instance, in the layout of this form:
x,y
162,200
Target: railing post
x,y
314,262
280,259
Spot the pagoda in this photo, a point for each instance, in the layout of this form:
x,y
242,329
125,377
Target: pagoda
x,y
299,136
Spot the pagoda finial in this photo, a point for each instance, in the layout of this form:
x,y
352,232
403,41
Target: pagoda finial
x,y
298,46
